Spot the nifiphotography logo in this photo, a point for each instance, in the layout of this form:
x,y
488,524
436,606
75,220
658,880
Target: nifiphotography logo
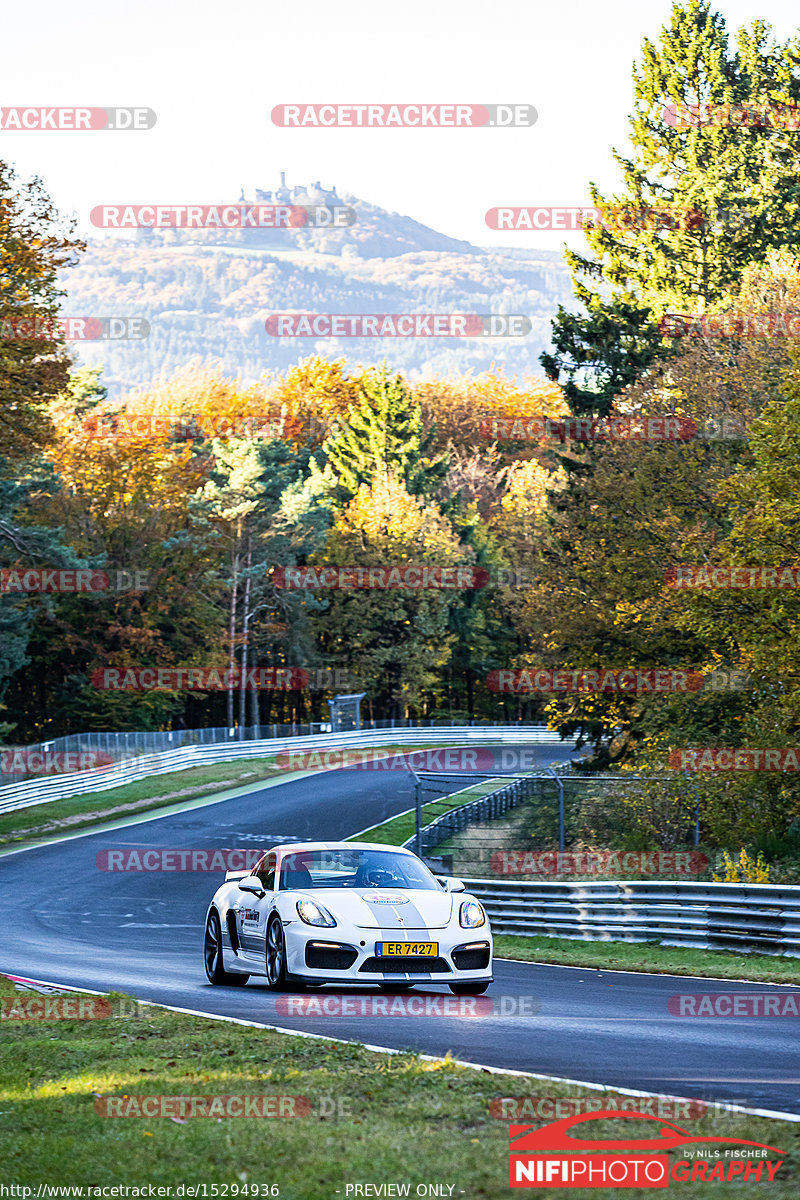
x,y
630,1162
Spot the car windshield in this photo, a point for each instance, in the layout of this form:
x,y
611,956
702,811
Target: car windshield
x,y
354,868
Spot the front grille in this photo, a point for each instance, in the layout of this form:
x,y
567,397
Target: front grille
x,y
329,956
407,965
473,959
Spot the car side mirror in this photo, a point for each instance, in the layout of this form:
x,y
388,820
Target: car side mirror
x,y
450,884
251,883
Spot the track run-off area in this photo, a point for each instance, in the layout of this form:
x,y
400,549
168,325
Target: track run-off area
x,y
66,920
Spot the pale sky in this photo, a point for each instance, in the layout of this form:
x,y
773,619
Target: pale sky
x,y
213,72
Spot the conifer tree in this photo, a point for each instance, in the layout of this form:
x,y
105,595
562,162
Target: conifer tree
x,y
700,200
382,431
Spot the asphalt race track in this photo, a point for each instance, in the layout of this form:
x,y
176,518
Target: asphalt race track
x,y
65,920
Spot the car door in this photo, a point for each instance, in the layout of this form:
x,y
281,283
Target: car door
x,y
252,911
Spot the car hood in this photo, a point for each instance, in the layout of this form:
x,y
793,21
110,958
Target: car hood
x,y
386,908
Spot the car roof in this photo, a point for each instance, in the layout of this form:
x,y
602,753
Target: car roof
x,y
295,847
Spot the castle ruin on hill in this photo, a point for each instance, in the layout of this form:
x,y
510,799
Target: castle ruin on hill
x,y
313,193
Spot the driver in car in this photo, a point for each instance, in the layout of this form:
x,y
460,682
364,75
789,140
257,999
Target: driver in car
x,y
373,873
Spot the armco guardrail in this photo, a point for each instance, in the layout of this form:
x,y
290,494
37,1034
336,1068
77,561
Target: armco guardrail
x,y
102,779
759,917
125,743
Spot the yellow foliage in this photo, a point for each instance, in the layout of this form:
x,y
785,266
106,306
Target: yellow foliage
x,y
746,870
456,406
384,514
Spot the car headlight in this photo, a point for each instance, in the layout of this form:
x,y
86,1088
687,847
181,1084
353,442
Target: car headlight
x,y
313,913
471,914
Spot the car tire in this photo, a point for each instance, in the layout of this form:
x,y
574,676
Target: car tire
x,y
468,989
212,956
276,956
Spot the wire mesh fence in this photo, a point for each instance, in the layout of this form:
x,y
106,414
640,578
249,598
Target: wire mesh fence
x,y
556,826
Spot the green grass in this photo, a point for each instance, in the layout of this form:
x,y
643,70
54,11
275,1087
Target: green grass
x,y
74,813
78,812
398,830
643,956
375,1118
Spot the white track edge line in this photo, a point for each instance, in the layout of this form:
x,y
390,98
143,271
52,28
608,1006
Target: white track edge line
x,y
775,1115
529,962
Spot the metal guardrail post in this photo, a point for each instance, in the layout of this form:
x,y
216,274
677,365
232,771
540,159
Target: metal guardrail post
x,y
560,783
418,807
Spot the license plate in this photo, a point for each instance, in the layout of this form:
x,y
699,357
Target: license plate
x,y
404,949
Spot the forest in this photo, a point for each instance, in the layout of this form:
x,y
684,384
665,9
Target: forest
x,y
608,546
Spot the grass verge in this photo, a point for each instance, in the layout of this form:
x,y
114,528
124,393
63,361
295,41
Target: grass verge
x,y
157,791
375,1118
645,956
77,812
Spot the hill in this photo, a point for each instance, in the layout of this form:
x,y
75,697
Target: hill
x,y
206,294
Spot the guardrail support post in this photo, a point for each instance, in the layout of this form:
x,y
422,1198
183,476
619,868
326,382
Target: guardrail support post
x,y
560,783
418,806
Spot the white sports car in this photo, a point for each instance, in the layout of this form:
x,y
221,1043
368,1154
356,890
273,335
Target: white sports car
x,y
346,912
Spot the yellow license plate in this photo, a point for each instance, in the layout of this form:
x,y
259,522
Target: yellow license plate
x,y
404,949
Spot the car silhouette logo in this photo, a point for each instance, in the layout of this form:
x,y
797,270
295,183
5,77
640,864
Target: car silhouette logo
x,y
555,1136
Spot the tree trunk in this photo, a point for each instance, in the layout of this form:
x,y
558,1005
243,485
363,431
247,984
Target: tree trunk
x,y
232,631
245,637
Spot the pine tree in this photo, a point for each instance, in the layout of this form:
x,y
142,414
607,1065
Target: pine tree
x,y
382,431
699,202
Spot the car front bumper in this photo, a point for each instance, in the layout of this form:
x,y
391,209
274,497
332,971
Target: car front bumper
x,y
328,955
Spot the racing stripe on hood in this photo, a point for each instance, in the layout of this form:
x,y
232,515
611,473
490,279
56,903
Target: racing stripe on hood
x,y
409,918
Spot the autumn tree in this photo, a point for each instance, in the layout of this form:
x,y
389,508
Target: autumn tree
x,y
395,642
602,596
720,196
35,243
